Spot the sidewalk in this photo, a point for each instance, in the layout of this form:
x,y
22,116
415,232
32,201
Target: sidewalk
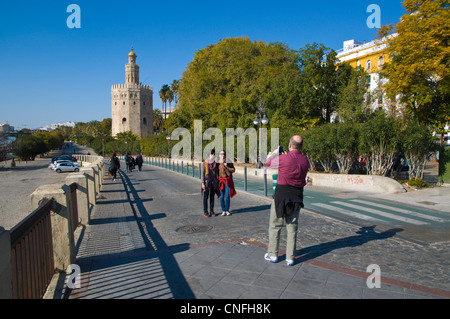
x,y
122,258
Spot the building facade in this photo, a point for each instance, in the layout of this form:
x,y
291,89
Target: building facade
x,y
370,56
132,103
6,128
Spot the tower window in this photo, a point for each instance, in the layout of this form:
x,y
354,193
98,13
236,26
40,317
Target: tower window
x,y
123,102
134,102
144,121
124,120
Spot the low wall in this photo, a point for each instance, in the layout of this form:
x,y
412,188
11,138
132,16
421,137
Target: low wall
x,y
360,183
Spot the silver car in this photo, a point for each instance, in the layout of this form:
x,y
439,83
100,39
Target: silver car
x,y
53,164
67,166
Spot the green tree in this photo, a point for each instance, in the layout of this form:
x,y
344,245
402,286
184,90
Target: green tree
x,y
164,94
323,79
416,142
223,83
106,126
158,121
353,102
419,69
127,136
379,141
27,147
175,87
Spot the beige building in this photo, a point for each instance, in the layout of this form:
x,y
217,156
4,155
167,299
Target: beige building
x,y
132,103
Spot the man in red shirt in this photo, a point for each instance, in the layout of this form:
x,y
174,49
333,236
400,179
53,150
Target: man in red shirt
x,y
288,197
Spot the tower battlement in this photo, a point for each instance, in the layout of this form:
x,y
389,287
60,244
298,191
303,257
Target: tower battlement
x,y
131,86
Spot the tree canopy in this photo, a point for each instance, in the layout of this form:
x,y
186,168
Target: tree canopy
x,y
224,82
419,70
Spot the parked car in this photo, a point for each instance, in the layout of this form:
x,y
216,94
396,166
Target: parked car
x,y
52,165
64,157
67,166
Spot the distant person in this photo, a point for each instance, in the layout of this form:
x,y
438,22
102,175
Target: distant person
x,y
126,161
210,184
288,198
130,161
114,165
139,161
226,184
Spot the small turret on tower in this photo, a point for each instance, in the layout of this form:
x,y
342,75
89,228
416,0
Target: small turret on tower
x,y
132,69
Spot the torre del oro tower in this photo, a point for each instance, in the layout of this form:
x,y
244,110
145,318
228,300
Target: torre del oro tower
x,y
132,103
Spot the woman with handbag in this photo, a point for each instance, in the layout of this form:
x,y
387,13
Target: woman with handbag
x,y
226,184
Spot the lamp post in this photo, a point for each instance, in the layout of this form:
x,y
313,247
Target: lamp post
x,y
260,119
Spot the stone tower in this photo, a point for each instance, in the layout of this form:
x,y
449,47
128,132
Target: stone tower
x,y
132,103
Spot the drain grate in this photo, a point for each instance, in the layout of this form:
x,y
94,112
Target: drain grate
x,y
193,229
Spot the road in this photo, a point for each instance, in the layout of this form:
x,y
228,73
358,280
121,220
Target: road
x,y
18,183
169,212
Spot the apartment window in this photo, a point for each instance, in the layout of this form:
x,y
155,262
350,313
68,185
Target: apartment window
x,y
368,65
380,61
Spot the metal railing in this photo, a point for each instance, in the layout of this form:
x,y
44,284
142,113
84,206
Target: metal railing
x,y
260,187
32,254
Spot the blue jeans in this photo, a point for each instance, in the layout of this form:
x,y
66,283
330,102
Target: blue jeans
x,y
225,198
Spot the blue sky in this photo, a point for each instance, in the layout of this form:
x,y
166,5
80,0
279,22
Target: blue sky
x,y
50,73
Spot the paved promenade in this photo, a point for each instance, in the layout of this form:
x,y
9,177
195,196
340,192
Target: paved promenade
x,y
148,239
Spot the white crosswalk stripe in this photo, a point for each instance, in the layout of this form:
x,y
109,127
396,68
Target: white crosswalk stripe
x,y
382,213
400,210
347,212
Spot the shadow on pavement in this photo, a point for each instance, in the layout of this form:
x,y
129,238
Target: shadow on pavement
x,y
153,241
365,234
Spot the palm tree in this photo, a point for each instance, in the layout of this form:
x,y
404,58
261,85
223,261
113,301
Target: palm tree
x,y
175,86
164,97
169,95
158,122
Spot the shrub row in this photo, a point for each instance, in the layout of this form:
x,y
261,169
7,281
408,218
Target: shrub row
x,y
379,146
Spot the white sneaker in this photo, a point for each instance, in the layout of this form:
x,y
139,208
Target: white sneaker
x,y
271,259
289,262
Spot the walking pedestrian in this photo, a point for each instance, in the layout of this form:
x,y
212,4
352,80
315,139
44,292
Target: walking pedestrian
x,y
210,184
127,161
114,165
288,198
226,185
139,161
130,161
